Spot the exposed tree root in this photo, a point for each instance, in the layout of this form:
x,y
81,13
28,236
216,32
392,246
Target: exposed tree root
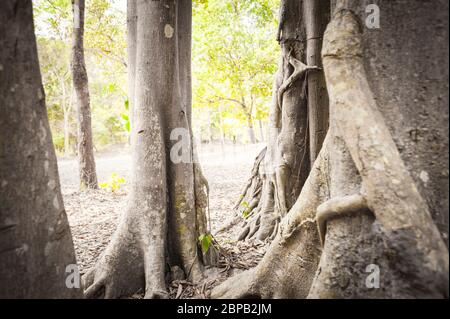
x,y
127,265
280,172
336,207
358,171
287,269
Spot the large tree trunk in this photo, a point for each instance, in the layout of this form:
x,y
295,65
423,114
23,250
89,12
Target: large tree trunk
x,y
167,200
285,167
35,240
360,208
86,161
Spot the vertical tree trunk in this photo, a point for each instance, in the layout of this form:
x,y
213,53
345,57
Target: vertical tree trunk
x,y
210,132
261,131
251,131
35,240
66,104
286,163
316,14
131,51
66,132
166,205
86,161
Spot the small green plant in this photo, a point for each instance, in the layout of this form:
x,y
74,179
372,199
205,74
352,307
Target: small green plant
x,y
113,183
246,211
124,117
205,242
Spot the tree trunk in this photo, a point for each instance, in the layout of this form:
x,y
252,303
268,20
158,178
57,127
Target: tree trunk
x,y
131,51
168,196
360,208
210,132
316,14
35,240
66,132
285,167
86,161
251,131
261,131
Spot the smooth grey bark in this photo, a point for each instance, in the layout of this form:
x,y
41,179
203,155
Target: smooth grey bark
x,y
360,206
86,161
35,239
251,130
316,14
158,233
131,51
261,131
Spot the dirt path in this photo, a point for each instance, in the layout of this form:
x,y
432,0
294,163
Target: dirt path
x,y
93,215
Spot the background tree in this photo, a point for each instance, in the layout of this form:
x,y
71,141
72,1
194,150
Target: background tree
x,y
167,201
36,243
234,60
86,161
104,48
360,206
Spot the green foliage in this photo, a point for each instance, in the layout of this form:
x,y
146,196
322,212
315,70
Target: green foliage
x,y
234,59
205,241
113,183
246,211
105,54
58,142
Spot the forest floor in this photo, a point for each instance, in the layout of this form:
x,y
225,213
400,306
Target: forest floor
x,y
93,215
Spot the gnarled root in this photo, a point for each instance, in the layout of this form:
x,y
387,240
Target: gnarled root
x,y
400,253
129,264
287,269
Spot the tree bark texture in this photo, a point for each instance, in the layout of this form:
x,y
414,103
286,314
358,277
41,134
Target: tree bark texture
x,y
360,205
35,239
86,161
158,234
286,163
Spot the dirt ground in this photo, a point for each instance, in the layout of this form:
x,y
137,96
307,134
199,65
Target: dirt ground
x,y
93,215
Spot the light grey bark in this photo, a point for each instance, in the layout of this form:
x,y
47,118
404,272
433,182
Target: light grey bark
x,y
361,196
316,14
35,240
167,201
261,131
285,167
131,51
86,161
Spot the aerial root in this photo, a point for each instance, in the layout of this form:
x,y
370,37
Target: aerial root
x,y
337,207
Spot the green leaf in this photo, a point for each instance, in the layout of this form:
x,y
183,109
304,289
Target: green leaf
x,y
205,242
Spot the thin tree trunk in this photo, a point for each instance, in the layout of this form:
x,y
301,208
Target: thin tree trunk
x,y
210,133
251,131
35,240
316,14
66,104
131,50
86,161
261,131
66,132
